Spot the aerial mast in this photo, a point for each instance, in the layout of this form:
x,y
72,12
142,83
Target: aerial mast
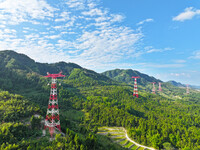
x,y
187,89
154,89
52,117
135,91
160,88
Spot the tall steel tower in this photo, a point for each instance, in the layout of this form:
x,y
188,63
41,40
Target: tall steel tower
x,y
154,89
160,88
135,91
187,89
52,117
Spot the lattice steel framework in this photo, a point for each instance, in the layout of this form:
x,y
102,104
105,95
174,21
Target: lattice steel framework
x,y
135,91
52,117
154,89
187,89
160,88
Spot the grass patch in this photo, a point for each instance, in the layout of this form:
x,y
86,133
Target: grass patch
x,y
141,148
108,143
115,134
134,147
128,145
118,138
123,142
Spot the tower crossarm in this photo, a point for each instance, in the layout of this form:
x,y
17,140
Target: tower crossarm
x,y
54,76
135,77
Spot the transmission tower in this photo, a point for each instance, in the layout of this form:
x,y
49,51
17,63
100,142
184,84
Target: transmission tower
x,y
135,91
52,117
154,89
160,88
187,89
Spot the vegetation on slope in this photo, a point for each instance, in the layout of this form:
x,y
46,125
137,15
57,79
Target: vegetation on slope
x,y
87,100
125,75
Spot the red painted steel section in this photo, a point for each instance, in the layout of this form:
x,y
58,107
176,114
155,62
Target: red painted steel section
x,y
53,113
135,91
54,76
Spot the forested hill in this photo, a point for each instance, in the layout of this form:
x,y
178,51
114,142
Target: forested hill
x,y
178,84
12,60
125,75
87,100
18,71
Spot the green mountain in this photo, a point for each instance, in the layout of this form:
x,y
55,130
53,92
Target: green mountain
x,y
122,75
88,100
18,70
178,84
12,60
170,89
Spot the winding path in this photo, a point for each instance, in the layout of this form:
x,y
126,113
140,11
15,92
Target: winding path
x,y
126,136
137,143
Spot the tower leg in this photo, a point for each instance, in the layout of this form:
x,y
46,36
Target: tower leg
x,y
59,128
51,131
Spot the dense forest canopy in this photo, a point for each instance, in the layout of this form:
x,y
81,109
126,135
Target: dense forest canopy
x,y
170,119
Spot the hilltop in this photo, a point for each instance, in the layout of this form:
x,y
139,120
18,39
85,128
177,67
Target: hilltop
x,y
125,75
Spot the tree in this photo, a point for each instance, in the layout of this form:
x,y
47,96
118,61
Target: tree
x,y
168,146
35,122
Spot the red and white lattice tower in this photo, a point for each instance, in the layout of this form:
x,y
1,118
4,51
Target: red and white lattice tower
x,y
187,89
154,89
135,91
160,88
52,117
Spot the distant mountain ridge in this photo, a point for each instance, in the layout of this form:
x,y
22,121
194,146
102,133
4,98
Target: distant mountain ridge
x,y
18,66
13,60
125,75
178,84
18,70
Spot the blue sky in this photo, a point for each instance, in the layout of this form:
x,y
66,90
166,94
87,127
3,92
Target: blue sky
x,y
159,38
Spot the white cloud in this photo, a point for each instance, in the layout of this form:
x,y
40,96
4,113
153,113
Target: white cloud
x,y
14,12
7,33
108,44
180,74
2,26
32,36
151,49
53,36
91,5
117,18
63,16
196,55
144,21
188,14
76,4
62,44
95,12
80,32
179,61
152,65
